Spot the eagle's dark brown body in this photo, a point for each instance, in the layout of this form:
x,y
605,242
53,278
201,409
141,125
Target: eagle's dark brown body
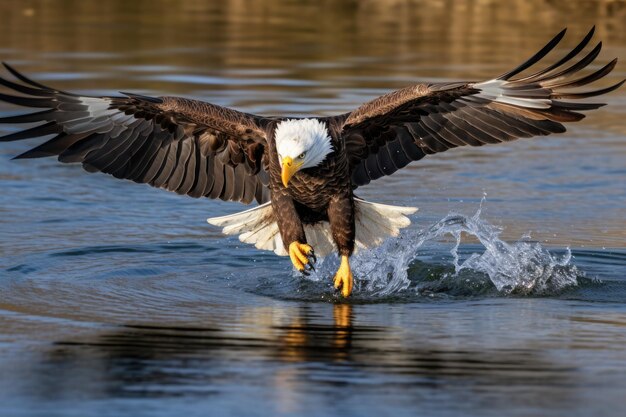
x,y
322,193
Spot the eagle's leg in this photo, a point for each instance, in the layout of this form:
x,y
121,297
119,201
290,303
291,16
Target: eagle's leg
x,y
292,232
343,278
341,218
302,257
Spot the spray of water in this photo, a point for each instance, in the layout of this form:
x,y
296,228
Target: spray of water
x,y
522,267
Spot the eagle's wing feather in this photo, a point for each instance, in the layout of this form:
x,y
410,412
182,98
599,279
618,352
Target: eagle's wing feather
x,y
389,132
186,146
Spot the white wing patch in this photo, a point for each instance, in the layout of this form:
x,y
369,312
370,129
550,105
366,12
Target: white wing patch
x,y
98,117
374,223
497,90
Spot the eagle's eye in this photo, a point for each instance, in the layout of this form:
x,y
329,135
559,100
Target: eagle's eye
x,y
302,155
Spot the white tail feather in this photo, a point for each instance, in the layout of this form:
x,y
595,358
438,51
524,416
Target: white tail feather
x,y
374,223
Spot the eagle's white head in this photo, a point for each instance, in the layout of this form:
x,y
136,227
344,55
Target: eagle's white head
x,y
302,143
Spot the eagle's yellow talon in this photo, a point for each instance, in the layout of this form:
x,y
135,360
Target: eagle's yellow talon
x,y
343,277
301,255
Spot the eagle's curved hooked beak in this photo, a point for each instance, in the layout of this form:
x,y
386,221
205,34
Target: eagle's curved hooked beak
x,y
289,168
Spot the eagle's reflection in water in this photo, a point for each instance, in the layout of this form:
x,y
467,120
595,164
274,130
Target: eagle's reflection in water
x,y
289,360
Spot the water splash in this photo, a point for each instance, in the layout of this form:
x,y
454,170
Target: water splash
x,y
522,267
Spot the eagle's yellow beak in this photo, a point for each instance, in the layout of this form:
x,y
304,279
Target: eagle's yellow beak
x,y
289,168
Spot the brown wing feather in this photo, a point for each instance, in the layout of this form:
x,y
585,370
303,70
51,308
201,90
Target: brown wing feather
x,y
389,132
186,146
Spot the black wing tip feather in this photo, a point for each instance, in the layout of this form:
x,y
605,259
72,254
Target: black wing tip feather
x,y
34,132
9,67
594,93
45,91
536,57
30,82
560,77
575,51
547,72
27,155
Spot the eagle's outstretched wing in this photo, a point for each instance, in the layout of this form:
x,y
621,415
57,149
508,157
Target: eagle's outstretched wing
x,y
387,133
187,146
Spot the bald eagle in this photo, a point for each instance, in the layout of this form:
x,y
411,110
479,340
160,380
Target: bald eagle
x,y
302,172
